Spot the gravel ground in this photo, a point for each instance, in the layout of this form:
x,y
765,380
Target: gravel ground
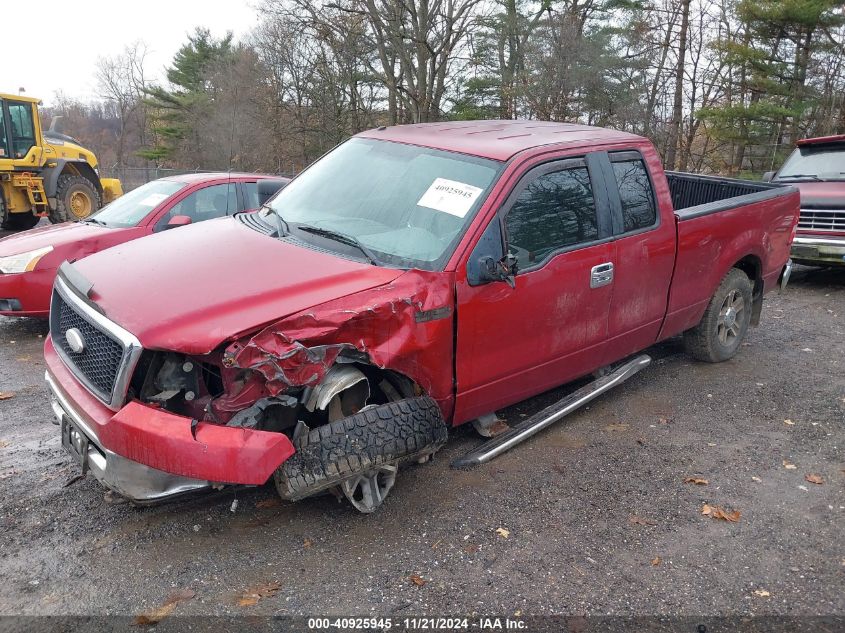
x,y
590,517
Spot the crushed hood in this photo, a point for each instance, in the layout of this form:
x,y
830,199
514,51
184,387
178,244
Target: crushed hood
x,y
192,288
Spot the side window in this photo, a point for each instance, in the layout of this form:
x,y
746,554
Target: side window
x,y
554,211
250,190
638,210
22,132
207,203
3,146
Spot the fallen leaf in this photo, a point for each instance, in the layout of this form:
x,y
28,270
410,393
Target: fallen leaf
x,y
307,543
641,441
268,503
762,593
656,561
157,615
4,444
251,596
471,548
814,479
503,532
417,580
789,465
789,422
664,420
696,481
717,512
621,426
5,395
635,520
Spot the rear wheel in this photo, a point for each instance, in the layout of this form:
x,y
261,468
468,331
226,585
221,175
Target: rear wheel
x,y
76,199
725,322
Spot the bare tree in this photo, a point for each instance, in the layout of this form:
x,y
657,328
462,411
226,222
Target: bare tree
x,y
121,80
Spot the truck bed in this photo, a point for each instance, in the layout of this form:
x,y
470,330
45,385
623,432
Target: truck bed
x,y
721,223
694,195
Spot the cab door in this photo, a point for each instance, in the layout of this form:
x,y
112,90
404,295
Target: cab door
x,y
644,259
551,327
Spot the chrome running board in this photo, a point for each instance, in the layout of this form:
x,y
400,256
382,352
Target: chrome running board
x,y
548,416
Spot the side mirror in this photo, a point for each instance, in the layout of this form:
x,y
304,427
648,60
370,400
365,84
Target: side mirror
x,y
491,269
767,177
178,220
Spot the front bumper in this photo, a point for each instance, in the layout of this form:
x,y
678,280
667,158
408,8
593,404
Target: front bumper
x,y
135,481
148,454
818,250
26,294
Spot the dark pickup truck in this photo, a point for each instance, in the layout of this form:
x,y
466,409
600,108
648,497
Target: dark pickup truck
x,y
415,278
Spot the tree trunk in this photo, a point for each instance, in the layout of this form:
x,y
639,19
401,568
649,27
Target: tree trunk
x,y
677,110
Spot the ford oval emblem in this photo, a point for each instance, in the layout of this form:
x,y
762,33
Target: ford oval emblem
x,y
75,341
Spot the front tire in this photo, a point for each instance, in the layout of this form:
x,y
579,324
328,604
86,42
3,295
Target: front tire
x,y
364,448
725,322
76,199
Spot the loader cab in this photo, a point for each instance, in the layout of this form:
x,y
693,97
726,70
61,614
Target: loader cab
x,y
18,128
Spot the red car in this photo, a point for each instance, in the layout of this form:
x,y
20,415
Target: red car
x,y
29,260
415,278
817,169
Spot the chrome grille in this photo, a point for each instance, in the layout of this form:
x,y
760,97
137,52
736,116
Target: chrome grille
x,y
822,219
99,361
109,354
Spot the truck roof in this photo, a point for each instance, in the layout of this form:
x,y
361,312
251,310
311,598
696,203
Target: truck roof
x,y
497,140
821,140
12,97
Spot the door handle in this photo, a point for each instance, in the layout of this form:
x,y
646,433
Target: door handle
x,y
601,275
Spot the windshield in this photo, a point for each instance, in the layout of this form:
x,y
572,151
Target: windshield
x,y
819,162
407,205
131,208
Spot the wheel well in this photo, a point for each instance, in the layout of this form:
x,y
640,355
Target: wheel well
x,y
86,171
753,268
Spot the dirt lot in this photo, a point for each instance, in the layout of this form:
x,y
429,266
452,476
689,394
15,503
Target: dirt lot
x,y
594,513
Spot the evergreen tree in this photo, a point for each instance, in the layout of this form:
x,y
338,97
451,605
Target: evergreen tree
x,y
174,112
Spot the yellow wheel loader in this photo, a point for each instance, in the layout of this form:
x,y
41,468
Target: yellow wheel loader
x,y
45,173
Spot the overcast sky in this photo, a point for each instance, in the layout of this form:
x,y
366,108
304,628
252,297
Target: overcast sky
x,y
57,45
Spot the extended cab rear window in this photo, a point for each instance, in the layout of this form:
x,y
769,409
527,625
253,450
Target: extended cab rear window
x,y
635,192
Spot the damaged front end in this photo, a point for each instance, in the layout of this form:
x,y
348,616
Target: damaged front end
x,y
359,371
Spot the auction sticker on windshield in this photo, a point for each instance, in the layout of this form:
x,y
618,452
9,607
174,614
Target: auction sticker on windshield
x,y
153,199
450,196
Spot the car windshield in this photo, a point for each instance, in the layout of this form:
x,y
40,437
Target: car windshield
x,y
406,205
129,209
814,163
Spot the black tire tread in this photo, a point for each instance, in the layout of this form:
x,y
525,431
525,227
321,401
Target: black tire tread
x,y
390,433
66,181
700,342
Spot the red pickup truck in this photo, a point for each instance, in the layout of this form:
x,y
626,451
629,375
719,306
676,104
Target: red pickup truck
x,y
415,278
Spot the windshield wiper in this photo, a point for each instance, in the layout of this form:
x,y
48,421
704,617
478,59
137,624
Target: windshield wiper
x,y
95,221
343,238
793,176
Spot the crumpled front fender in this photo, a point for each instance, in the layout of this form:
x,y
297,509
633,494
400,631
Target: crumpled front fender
x,y
406,326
